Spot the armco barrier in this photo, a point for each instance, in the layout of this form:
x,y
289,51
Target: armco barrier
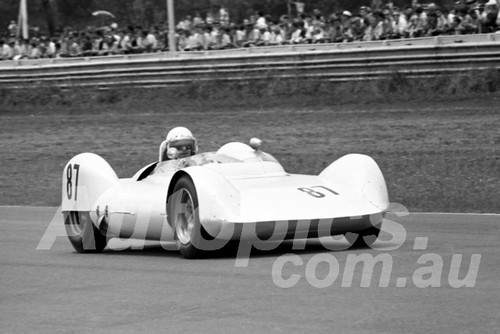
x,y
334,62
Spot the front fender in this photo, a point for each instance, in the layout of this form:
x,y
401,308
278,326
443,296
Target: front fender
x,y
218,199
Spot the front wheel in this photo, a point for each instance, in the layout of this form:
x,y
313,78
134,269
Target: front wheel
x,y
184,218
83,235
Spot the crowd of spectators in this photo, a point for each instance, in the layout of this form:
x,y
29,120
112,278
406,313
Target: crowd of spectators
x,y
217,31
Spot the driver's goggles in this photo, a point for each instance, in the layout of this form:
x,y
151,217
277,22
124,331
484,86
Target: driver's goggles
x,y
184,148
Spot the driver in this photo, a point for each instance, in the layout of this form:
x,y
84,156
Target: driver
x,y
183,140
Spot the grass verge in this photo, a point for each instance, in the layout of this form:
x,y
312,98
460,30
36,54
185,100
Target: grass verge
x,y
269,93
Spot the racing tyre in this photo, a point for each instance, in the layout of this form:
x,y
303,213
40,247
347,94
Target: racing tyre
x,y
365,238
82,233
185,219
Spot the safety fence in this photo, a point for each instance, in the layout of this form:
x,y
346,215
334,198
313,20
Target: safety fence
x,y
334,62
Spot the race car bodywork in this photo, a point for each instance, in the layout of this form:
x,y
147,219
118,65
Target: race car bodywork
x,y
235,193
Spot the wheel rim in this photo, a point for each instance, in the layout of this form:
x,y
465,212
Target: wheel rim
x,y
74,225
185,221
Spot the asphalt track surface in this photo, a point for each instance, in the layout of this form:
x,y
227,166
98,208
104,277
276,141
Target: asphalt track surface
x,y
154,290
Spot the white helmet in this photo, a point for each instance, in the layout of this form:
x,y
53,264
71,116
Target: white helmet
x,y
183,140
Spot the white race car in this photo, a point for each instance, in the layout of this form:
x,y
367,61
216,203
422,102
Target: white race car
x,y
204,201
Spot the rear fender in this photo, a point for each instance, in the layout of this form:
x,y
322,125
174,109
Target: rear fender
x,y
359,174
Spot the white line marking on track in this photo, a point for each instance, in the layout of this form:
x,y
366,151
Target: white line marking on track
x,y
455,213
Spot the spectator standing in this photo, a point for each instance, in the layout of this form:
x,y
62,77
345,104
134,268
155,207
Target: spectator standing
x,y
23,45
97,42
472,22
318,35
33,50
364,11
136,42
226,41
149,42
450,16
240,36
277,37
216,37
379,28
490,16
63,49
298,33
6,52
224,17
261,21
370,27
18,51
74,48
345,21
456,26
51,48
106,45
193,41
356,28
197,20
399,25
181,38
408,13
188,23
12,28
253,33
388,23
333,31
210,19
432,24
317,18
442,25
42,46
126,40
87,45
286,27
208,41
417,24
182,24
11,53
265,39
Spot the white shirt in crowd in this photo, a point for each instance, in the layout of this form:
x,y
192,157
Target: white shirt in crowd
x,y
51,49
150,41
266,37
261,22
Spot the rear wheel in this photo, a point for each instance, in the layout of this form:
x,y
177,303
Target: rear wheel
x,y
184,218
83,235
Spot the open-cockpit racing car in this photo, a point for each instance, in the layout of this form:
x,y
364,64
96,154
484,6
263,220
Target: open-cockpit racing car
x,y
203,201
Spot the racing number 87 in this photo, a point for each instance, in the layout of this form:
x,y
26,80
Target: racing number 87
x,y
69,180
314,193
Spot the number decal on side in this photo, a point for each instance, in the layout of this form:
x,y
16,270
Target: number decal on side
x,y
327,189
317,194
69,183
312,192
69,180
